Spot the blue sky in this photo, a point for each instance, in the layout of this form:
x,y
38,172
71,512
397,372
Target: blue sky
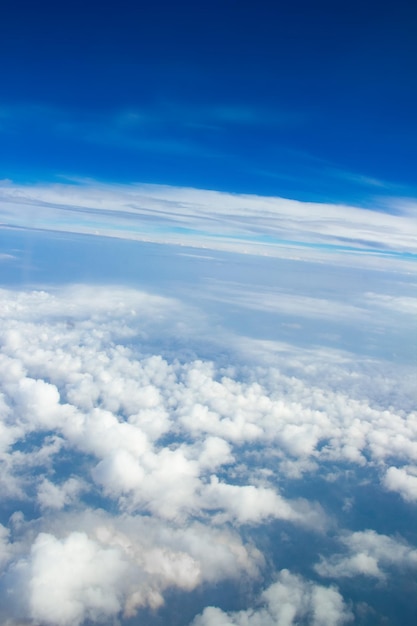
x,y
304,100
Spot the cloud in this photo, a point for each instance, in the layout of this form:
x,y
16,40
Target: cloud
x,y
403,480
113,565
247,503
400,304
368,554
201,218
53,496
5,548
370,310
7,257
103,399
85,579
143,469
287,601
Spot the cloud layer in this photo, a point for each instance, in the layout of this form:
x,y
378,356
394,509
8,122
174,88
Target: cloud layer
x,y
201,218
140,470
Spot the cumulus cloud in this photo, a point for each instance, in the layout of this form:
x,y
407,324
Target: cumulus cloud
x,y
135,398
85,579
187,453
114,565
287,601
403,480
247,503
369,554
101,398
57,496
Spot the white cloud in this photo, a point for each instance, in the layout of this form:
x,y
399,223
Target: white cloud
x,y
53,496
368,554
285,603
287,303
184,451
403,480
92,565
247,503
101,398
402,304
85,579
239,219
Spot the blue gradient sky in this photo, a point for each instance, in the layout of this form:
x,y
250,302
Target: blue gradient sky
x,y
305,100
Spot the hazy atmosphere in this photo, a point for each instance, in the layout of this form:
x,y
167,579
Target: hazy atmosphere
x,y
208,314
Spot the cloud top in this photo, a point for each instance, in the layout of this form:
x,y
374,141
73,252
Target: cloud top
x,y
286,602
143,470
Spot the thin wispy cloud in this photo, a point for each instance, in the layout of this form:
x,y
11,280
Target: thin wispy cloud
x,y
210,218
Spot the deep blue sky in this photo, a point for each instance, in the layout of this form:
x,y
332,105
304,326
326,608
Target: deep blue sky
x,y
311,100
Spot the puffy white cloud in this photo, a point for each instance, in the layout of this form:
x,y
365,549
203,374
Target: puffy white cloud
x,y
140,400
38,402
289,600
53,496
246,504
74,579
369,554
105,400
403,480
114,565
183,451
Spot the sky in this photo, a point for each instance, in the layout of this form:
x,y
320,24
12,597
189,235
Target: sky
x,y
208,314
301,100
